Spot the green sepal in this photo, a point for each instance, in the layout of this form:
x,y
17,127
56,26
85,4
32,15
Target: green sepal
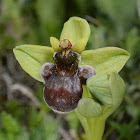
x,y
32,57
75,29
105,59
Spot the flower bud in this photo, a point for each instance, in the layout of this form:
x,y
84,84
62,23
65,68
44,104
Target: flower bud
x,y
99,88
88,108
108,88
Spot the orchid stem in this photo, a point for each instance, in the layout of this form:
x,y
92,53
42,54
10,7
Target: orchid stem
x,y
94,127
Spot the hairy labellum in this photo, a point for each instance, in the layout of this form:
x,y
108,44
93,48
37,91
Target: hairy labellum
x,y
63,93
63,80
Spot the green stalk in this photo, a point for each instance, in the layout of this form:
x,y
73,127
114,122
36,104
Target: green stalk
x,y
97,127
94,127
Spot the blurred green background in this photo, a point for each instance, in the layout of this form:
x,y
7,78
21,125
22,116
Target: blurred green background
x,y
23,113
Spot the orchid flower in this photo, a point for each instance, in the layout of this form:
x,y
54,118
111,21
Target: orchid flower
x,y
86,81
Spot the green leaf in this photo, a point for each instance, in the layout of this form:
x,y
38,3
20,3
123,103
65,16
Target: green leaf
x,y
9,123
105,59
32,57
75,29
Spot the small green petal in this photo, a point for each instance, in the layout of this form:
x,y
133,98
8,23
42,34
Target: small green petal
x,y
55,44
80,45
32,57
75,29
